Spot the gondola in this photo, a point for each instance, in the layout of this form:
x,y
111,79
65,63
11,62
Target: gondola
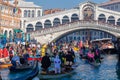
x,y
20,75
106,45
95,63
5,65
23,67
51,74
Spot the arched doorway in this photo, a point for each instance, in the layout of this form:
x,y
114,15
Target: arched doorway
x,y
65,20
56,22
111,20
102,18
74,17
118,22
29,28
47,24
6,33
38,26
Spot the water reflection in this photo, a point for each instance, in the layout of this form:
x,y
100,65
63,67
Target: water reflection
x,y
118,69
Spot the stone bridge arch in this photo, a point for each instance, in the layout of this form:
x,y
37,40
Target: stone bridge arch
x,y
53,34
67,33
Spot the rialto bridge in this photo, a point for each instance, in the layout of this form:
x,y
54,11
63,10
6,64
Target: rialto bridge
x,y
86,15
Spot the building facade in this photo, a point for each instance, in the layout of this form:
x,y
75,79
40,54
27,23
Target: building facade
x,y
28,10
9,18
85,34
111,5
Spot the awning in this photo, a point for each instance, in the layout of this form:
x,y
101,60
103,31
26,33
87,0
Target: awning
x,y
1,35
17,30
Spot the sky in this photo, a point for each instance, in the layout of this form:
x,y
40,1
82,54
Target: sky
x,y
63,4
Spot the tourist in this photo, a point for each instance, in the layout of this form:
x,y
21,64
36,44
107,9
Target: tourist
x,y
90,56
62,57
57,64
97,56
45,62
16,61
69,60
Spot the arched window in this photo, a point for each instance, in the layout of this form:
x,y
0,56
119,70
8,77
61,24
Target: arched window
x,y
29,13
56,22
5,33
118,22
33,13
29,28
38,26
111,20
47,24
25,13
38,14
102,18
74,17
65,20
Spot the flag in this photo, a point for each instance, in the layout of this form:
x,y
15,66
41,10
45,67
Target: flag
x,y
16,10
19,10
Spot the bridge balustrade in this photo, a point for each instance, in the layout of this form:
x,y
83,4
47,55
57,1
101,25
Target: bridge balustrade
x,y
87,24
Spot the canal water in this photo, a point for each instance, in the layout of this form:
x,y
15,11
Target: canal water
x,y
108,70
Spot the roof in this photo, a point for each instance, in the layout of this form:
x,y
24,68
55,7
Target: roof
x,y
7,4
109,2
22,3
88,2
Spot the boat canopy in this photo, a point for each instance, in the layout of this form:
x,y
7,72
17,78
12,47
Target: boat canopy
x,y
100,40
1,36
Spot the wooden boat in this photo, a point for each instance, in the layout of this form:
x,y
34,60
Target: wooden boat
x,y
5,65
51,74
105,45
23,67
95,63
22,75
83,57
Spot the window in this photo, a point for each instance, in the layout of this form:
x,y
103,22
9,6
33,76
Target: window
x,y
86,33
38,13
25,13
74,38
116,6
83,32
108,7
94,33
32,13
28,13
112,7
